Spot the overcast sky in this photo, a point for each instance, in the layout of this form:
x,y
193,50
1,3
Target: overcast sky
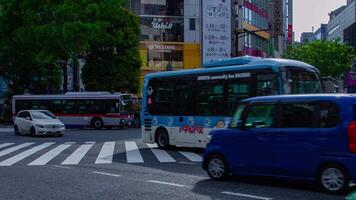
x,y
309,13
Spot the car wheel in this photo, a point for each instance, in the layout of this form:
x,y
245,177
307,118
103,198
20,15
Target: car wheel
x,y
33,132
162,139
16,130
333,179
217,167
97,124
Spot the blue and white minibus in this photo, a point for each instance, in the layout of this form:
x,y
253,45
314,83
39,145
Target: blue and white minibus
x,y
180,108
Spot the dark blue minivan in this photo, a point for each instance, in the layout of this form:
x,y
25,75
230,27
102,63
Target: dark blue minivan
x,y
305,137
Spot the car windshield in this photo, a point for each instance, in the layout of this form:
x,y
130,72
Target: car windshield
x,y
237,116
43,115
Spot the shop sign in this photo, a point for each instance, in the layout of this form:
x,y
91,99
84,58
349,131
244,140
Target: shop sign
x,y
158,23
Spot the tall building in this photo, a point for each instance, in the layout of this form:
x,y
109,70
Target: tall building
x,y
265,27
252,27
342,24
170,34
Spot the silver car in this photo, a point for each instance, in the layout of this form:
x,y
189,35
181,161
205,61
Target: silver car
x,y
38,122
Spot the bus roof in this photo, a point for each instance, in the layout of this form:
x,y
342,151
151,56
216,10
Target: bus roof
x,y
71,95
243,63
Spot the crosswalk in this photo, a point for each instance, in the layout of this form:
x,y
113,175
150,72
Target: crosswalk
x,y
71,153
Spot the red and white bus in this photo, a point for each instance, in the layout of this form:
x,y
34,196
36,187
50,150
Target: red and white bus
x,y
81,109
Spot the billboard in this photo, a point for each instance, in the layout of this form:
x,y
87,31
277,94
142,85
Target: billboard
x,y
216,35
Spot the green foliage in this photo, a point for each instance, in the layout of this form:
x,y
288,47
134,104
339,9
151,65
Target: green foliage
x,y
36,34
330,57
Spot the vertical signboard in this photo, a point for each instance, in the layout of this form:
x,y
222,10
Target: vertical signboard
x,y
216,37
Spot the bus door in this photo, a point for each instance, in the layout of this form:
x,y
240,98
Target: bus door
x,y
187,126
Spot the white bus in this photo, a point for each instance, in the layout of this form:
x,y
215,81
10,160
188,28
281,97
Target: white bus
x,y
81,109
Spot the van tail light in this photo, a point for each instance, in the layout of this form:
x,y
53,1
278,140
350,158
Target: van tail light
x,y
351,132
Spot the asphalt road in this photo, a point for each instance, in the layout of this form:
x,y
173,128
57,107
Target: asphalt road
x,y
69,168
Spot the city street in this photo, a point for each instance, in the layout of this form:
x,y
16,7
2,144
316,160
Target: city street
x,y
115,164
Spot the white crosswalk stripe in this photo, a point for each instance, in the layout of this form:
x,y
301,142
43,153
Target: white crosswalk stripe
x,y
78,154
132,153
191,156
15,148
5,145
161,155
45,158
106,153
25,154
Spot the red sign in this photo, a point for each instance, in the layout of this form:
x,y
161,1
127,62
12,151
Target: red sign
x,y
290,33
191,129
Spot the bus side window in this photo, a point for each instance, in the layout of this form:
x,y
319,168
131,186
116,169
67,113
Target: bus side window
x,y
266,84
162,97
210,98
184,98
237,90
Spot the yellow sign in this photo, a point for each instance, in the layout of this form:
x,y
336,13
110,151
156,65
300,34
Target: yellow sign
x,y
250,27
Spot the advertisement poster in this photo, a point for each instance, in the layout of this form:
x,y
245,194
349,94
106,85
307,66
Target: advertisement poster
x,y
216,29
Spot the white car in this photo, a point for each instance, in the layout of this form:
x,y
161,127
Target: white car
x,y
38,122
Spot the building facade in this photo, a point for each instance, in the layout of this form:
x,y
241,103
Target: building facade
x,y
265,27
170,34
342,24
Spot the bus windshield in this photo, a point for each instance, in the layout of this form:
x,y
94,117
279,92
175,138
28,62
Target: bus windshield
x,y
302,82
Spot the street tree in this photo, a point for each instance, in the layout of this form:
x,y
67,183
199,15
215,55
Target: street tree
x,y
37,35
331,57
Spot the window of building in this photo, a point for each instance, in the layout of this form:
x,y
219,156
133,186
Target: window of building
x,y
192,24
162,7
163,29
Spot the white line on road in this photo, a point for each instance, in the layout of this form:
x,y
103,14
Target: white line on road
x,y
161,155
167,183
246,195
44,159
106,174
132,153
15,148
63,167
191,156
5,145
25,154
77,155
106,153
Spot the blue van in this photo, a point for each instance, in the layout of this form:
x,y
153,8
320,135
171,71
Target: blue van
x,y
305,137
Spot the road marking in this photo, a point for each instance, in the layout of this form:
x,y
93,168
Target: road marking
x,y
77,155
187,163
132,153
45,158
106,174
106,153
191,156
161,155
246,195
6,129
25,154
63,167
167,183
15,148
5,145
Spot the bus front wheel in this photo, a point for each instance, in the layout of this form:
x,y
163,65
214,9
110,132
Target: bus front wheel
x,y
162,138
97,123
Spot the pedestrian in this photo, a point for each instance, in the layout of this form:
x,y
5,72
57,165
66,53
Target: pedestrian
x,y
137,119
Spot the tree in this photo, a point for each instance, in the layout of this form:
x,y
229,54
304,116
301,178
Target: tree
x,y
113,61
36,34
330,57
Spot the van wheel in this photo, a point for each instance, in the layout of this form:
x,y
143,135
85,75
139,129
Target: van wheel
x,y
333,179
162,138
217,167
33,132
16,130
97,123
